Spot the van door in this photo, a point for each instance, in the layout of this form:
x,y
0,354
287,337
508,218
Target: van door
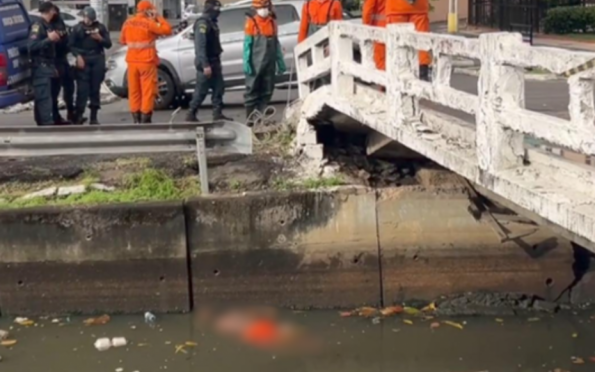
x,y
14,70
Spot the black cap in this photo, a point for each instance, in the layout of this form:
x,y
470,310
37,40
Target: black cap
x,y
46,7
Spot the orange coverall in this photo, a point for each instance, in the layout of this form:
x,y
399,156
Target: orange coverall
x,y
139,34
402,11
317,14
373,14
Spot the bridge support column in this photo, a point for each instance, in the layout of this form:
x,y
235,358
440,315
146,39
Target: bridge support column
x,y
500,87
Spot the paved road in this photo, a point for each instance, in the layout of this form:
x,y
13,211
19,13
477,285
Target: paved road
x,y
118,113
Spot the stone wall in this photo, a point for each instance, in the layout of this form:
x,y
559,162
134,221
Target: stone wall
x,y
313,249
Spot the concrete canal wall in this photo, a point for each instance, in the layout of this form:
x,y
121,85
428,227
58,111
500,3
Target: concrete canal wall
x,y
312,249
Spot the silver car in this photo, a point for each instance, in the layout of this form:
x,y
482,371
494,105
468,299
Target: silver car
x,y
177,72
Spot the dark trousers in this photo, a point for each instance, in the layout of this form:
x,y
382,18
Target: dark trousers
x,y
65,83
42,76
203,84
88,82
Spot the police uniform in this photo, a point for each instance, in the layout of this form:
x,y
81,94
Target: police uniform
x,y
89,78
65,79
207,48
42,52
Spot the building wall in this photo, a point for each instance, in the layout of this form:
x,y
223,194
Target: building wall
x,y
440,12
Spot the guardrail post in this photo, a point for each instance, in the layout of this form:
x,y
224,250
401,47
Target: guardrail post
x,y
401,65
302,65
201,155
341,49
501,88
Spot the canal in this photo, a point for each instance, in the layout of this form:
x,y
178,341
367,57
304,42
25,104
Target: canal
x,y
401,343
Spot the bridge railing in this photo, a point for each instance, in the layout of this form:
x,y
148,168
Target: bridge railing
x,y
501,120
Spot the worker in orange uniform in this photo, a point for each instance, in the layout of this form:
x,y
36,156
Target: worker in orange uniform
x,y
316,14
373,14
416,12
139,34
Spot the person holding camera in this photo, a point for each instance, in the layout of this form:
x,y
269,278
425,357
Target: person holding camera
x,y
42,52
88,42
139,34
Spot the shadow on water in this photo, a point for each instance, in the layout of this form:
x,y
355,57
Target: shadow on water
x,y
348,344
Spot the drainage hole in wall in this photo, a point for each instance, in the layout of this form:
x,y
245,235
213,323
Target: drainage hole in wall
x,y
20,283
216,272
549,282
415,257
282,222
89,237
356,259
162,278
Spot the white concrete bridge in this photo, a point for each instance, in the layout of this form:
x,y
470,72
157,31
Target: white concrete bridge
x,y
480,137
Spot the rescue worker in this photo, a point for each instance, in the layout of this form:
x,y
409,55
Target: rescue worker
x,y
209,72
42,51
88,42
65,79
316,14
263,56
416,12
373,14
139,34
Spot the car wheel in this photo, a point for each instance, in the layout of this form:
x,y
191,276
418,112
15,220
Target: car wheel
x,y
166,90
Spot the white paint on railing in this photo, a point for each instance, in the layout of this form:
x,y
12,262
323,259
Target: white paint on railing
x,y
490,151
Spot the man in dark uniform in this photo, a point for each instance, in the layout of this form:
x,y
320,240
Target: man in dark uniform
x,y
209,74
42,51
88,41
65,79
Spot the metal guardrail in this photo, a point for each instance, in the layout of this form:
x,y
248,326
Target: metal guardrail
x,y
222,137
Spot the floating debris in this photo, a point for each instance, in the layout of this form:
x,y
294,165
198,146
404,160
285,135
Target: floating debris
x,y
119,342
8,343
577,360
150,318
102,320
103,344
407,321
435,325
391,310
24,321
411,311
3,334
453,324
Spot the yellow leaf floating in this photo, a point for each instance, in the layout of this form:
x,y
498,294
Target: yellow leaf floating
x,y
533,319
575,335
366,311
26,322
411,310
453,324
8,343
576,360
430,308
499,320
407,321
191,343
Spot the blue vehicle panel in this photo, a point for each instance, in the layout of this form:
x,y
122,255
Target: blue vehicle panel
x,y
15,72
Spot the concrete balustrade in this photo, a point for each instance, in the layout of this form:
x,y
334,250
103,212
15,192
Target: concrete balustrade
x,y
489,150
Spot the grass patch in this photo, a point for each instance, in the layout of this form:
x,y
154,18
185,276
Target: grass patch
x,y
146,185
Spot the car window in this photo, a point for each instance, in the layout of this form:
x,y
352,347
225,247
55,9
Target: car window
x,y
33,18
286,14
232,20
67,17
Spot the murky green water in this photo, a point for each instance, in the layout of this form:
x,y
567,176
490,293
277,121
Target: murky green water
x,y
349,344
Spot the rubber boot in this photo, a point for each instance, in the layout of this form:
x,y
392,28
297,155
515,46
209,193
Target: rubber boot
x,y
147,118
78,118
136,117
424,72
218,115
94,120
250,116
191,116
62,121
